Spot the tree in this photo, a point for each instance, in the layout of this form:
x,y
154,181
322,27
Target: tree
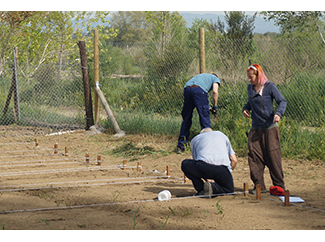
x,y
237,26
131,26
11,23
235,41
49,36
301,21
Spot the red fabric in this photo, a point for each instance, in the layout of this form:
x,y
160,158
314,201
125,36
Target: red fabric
x,y
276,190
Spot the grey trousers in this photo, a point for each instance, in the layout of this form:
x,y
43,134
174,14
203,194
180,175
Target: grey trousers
x,y
264,150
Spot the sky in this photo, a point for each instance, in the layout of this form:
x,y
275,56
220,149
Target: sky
x,y
164,5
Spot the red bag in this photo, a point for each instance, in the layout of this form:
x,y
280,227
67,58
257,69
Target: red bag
x,y
276,190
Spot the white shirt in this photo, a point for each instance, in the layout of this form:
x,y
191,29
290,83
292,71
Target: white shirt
x,y
213,148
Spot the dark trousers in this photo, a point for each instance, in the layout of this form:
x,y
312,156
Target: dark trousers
x,y
264,150
197,170
194,97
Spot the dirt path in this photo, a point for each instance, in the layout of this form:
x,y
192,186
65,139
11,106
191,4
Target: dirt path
x,y
64,193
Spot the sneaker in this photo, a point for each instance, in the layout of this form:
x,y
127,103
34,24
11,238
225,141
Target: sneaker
x,y
179,150
254,191
208,189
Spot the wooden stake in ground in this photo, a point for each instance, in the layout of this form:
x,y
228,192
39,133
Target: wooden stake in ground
x,y
287,197
124,165
139,167
66,153
87,158
258,192
246,189
99,160
185,179
168,172
36,143
55,148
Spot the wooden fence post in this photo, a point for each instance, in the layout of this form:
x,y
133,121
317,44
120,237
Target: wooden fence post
x,y
201,50
96,75
87,92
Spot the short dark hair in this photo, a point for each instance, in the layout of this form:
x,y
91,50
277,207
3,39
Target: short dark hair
x,y
215,74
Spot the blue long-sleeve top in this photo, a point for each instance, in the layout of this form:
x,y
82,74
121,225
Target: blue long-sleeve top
x,y
262,106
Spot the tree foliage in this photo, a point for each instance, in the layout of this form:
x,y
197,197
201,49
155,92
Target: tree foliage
x,y
132,26
301,22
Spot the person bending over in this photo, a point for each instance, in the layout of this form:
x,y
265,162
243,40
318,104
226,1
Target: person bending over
x,y
213,159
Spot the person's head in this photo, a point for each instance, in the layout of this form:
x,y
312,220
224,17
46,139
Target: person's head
x,y
215,74
256,75
205,130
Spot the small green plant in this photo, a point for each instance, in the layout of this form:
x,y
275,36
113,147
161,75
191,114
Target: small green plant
x,y
172,210
163,225
219,208
40,195
134,214
116,194
58,204
185,212
206,212
47,223
3,227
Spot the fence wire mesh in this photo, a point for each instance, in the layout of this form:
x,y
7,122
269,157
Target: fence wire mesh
x,y
149,78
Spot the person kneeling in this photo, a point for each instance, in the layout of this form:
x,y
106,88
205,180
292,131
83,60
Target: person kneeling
x,y
213,159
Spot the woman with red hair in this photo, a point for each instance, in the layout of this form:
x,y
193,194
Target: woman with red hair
x,y
264,136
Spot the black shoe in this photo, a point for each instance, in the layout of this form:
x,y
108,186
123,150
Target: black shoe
x,y
179,150
201,193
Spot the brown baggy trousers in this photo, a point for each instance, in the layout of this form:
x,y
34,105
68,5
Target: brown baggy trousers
x,y
264,150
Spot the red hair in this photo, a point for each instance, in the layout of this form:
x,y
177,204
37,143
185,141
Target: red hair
x,y
258,71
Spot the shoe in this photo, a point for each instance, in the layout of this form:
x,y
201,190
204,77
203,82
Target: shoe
x,y
199,193
179,150
254,191
208,189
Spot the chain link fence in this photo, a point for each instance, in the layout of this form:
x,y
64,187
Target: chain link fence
x,y
149,78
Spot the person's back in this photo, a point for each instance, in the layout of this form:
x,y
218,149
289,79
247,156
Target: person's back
x,y
213,148
203,80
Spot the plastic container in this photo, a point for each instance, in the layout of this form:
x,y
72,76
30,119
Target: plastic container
x,y
164,195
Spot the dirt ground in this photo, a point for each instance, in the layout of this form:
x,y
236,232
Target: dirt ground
x,y
41,190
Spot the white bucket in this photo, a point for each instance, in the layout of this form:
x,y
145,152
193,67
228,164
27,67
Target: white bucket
x,y
164,195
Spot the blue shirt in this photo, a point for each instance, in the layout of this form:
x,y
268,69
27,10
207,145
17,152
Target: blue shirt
x,y
204,80
213,148
262,106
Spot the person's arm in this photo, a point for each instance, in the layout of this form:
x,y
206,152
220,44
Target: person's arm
x,y
215,87
233,161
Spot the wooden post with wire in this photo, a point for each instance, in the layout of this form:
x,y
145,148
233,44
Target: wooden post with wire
x,y
168,172
99,160
286,198
201,50
258,192
124,165
87,158
96,74
139,167
66,152
55,148
246,189
86,84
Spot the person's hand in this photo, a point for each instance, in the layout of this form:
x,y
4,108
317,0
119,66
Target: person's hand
x,y
276,118
246,113
214,111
